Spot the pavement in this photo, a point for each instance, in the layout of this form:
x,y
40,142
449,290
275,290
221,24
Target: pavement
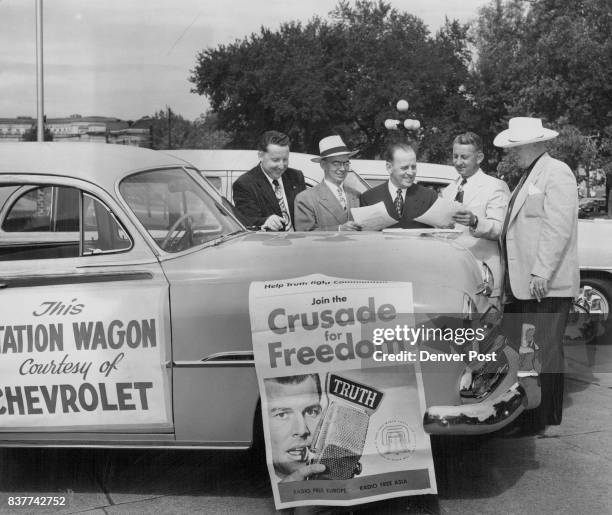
x,y
568,470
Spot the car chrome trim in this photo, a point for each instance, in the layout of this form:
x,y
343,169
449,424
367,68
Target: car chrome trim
x,y
50,280
483,417
240,358
225,446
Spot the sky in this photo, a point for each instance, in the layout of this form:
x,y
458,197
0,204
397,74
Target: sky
x,y
131,58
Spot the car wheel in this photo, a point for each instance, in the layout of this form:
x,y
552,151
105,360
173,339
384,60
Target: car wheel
x,y
590,315
256,455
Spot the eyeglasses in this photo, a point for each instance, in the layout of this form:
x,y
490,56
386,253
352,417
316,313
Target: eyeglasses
x,y
341,164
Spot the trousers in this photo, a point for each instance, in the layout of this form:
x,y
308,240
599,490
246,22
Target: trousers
x,y
544,323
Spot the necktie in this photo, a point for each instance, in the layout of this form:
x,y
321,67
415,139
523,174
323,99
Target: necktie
x,y
278,191
399,203
341,198
459,195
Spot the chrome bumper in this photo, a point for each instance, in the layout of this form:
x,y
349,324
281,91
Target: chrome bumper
x,y
478,418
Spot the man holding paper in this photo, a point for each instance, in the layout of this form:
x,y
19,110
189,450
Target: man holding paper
x,y
327,206
403,198
483,200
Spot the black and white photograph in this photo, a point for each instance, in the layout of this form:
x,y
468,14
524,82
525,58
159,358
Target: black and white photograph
x,y
230,230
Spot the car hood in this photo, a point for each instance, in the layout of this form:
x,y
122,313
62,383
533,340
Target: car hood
x,y
209,287
430,259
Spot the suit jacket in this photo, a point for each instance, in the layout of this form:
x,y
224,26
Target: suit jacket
x,y
542,231
418,199
486,197
254,197
318,209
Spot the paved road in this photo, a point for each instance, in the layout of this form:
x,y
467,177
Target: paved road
x,y
567,471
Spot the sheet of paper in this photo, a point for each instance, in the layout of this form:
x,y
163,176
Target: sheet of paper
x,y
440,214
372,218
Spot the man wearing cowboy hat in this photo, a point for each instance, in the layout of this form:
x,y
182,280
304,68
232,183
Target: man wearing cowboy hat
x,y
327,206
264,196
404,199
539,253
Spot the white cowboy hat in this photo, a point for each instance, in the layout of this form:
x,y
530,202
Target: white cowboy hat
x,y
522,131
332,146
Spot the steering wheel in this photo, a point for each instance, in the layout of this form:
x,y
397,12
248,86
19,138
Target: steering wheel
x,y
170,243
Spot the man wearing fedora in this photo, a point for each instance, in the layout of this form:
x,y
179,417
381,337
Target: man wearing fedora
x,y
265,195
404,199
327,206
539,254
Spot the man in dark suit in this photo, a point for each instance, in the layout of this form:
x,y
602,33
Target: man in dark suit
x,y
404,199
264,196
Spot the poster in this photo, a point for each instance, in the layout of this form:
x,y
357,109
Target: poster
x,y
341,427
84,357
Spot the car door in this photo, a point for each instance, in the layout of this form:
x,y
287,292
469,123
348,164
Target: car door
x,y
84,318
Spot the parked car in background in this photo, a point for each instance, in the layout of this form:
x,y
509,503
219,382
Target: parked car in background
x,y
124,301
222,167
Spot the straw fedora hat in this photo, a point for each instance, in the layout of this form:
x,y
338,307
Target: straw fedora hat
x,y
523,131
332,146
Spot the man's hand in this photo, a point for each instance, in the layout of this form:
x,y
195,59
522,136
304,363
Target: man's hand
x,y
538,287
464,217
274,223
304,472
349,226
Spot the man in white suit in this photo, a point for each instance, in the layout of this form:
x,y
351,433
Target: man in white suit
x,y
539,251
485,201
327,206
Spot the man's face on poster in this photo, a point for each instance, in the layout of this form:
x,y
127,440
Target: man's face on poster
x,y
294,410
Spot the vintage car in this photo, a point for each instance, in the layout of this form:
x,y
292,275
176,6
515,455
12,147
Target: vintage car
x,y
125,309
222,167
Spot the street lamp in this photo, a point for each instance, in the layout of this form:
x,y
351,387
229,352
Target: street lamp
x,y
408,124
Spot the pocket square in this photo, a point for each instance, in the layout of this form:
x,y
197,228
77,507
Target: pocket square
x,y
533,190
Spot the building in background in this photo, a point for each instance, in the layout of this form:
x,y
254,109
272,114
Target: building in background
x,y
100,129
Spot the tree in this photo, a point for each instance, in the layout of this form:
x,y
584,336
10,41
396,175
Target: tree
x,y
545,58
171,130
32,134
343,74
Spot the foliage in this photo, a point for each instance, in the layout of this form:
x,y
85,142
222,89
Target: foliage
x,y
171,130
340,75
31,134
546,58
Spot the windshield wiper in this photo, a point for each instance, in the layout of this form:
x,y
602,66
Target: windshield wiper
x,y
223,238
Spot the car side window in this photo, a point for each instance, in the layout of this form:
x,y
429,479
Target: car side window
x,y
48,209
50,222
102,232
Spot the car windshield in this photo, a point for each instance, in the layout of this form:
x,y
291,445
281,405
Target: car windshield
x,y
356,182
175,209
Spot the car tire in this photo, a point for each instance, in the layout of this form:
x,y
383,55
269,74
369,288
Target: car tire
x,y
256,455
601,289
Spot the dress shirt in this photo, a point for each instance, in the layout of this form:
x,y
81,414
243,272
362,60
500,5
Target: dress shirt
x,y
393,191
334,189
280,182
